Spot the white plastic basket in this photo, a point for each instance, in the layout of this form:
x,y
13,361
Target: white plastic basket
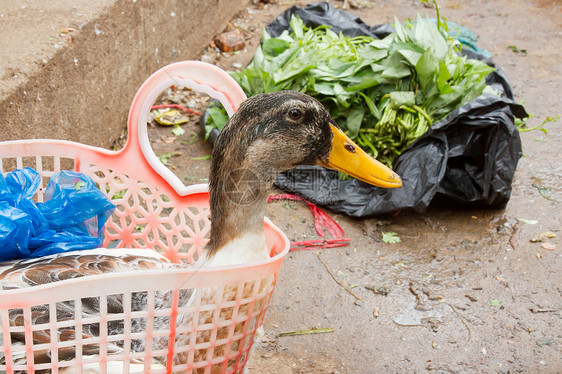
x,y
192,320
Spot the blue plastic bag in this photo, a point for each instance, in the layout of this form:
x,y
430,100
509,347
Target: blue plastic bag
x,y
22,184
71,218
15,231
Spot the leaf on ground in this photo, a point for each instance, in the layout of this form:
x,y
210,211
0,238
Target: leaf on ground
x,y
164,158
178,131
495,302
527,221
516,49
206,157
543,236
390,237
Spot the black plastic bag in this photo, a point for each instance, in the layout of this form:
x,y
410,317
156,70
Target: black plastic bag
x,y
470,156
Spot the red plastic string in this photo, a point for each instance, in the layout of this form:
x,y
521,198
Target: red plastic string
x,y
321,221
175,106
319,244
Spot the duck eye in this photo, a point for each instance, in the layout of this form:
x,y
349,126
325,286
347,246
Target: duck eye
x,y
295,114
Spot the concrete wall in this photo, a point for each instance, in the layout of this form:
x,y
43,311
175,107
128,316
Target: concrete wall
x,y
82,91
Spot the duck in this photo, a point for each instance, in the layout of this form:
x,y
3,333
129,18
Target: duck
x,y
269,133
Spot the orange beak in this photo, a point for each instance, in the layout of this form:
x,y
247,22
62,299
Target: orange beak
x,y
346,156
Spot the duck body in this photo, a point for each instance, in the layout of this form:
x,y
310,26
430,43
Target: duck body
x,y
269,133
78,264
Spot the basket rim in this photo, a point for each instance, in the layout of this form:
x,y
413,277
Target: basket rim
x,y
137,281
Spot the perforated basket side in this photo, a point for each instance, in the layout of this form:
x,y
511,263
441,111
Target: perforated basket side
x,y
147,215
176,319
215,329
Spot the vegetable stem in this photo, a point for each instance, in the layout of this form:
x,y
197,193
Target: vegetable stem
x,y
423,113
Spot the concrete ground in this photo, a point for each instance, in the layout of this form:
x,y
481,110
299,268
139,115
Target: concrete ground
x,y
465,291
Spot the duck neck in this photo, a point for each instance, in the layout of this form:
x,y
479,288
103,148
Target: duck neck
x,y
238,197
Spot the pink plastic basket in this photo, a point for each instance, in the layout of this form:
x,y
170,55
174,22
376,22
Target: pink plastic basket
x,y
155,210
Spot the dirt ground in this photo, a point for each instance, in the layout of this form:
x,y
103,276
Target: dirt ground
x,y
465,290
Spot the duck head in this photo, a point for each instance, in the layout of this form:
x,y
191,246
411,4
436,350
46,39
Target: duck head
x,y
268,134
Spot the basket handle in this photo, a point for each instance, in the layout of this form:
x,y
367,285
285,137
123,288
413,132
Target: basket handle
x,y
197,75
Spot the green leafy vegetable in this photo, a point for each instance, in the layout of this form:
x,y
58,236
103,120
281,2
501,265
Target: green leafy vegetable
x,y
384,93
217,118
